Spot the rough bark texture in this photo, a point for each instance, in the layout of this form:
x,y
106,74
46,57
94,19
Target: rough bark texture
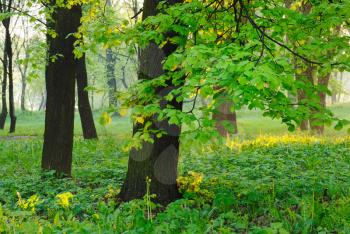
x,y
60,85
315,124
86,117
157,161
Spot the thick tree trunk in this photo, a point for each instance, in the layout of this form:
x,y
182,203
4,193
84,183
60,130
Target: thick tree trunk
x,y
315,124
60,85
157,161
3,114
86,117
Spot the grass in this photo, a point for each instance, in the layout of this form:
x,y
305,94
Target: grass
x,y
269,184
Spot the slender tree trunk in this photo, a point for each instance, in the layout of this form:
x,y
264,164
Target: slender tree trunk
x,y
3,114
110,72
111,81
157,161
9,53
86,117
93,94
23,95
42,102
24,82
60,85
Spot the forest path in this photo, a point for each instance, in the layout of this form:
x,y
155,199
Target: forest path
x,y
12,138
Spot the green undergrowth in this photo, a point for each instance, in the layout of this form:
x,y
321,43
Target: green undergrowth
x,y
296,187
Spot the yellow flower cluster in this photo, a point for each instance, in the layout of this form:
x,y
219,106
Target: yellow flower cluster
x,y
63,199
266,141
190,183
28,204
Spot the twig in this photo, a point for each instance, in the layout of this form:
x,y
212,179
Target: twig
x,y
137,14
194,101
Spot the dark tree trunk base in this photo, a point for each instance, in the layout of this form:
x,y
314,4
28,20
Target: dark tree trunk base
x,y
3,116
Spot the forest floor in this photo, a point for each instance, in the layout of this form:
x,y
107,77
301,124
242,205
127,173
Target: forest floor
x,y
270,181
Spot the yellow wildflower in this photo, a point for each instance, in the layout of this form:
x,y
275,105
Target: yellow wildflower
x,y
63,199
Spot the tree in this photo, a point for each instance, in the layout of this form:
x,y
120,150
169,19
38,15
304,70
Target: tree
x,y
207,51
111,60
22,46
6,8
60,78
86,117
3,114
157,161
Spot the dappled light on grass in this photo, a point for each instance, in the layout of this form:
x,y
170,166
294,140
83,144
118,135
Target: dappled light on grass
x,y
287,139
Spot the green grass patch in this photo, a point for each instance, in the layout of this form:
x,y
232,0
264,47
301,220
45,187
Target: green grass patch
x,y
296,187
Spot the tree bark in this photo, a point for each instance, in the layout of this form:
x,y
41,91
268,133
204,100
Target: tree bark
x,y
110,72
157,161
3,114
224,115
111,81
60,85
305,76
23,72
9,53
315,123
86,117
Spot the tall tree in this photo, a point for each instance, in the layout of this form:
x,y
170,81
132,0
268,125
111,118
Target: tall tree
x,y
5,7
86,117
156,161
3,114
111,60
60,76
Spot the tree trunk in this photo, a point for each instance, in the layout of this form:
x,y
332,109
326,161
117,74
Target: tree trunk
x,y
3,114
316,124
305,76
60,85
23,95
24,82
86,117
42,102
157,161
110,72
225,116
111,81
10,75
